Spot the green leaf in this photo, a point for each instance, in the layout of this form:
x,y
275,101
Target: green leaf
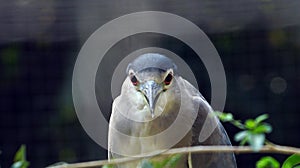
x,y
292,161
244,141
146,164
159,164
256,141
267,162
261,118
238,124
173,160
156,164
240,136
108,166
20,164
263,128
250,124
20,158
169,162
17,164
225,117
20,154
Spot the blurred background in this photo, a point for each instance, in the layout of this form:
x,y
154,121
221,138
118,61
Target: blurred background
x,y
258,42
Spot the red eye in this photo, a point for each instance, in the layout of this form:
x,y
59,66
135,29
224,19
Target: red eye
x,y
134,81
168,79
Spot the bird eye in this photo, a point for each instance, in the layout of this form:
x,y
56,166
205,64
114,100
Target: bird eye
x,y
168,79
134,81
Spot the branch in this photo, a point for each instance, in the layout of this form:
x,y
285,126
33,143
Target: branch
x,y
270,148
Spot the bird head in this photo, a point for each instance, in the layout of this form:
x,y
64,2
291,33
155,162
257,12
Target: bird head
x,y
151,74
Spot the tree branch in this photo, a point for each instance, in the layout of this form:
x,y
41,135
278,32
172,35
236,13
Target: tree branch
x,y
270,148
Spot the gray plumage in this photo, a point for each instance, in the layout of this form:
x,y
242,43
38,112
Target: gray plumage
x,y
152,99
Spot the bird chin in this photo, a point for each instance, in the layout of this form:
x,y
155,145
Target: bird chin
x,y
152,113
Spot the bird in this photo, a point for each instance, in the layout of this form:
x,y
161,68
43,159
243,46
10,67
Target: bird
x,y
158,109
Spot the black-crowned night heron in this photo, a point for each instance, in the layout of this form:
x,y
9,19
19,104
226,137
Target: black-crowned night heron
x,y
157,110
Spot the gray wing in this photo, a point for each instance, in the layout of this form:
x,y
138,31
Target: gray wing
x,y
207,130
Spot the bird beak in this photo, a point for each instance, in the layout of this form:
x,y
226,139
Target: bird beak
x,y
151,90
